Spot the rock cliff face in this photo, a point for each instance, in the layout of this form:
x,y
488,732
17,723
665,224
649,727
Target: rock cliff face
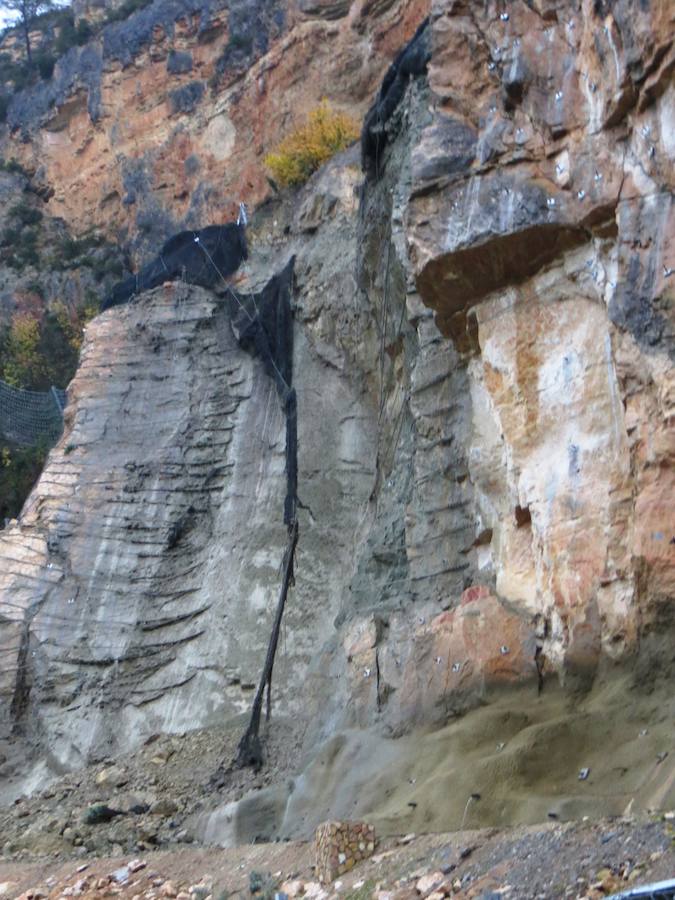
x,y
542,231
484,340
163,121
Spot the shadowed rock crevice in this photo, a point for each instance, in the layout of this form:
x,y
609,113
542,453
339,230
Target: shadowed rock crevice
x,y
411,62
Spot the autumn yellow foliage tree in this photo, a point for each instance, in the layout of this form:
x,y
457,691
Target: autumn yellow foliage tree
x,y
304,150
38,350
72,321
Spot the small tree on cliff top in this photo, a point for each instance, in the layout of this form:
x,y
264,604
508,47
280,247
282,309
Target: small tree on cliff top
x,y
23,13
306,149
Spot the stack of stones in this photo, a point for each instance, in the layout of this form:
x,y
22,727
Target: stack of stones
x,y
339,846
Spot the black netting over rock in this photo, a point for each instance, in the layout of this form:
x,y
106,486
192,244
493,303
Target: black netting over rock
x,y
263,324
198,257
412,60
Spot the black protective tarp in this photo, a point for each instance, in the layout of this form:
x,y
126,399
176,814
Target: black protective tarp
x,y
263,324
220,251
412,60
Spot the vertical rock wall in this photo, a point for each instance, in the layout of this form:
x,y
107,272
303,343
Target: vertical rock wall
x,y
542,230
138,589
483,364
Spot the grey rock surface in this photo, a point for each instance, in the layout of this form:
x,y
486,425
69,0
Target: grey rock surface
x,y
483,494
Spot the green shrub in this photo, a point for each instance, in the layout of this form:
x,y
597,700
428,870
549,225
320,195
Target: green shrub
x,y
242,42
326,133
10,237
84,32
262,885
10,69
25,214
24,77
28,256
45,63
67,36
35,287
71,35
46,20
125,10
6,65
59,345
14,166
114,267
72,249
106,266
16,71
23,246
69,248
20,468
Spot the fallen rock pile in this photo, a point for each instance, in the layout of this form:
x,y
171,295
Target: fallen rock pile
x,y
573,861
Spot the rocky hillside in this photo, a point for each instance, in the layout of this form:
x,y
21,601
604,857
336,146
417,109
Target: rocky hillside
x,y
483,344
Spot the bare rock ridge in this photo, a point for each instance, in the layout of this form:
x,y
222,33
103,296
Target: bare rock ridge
x,y
482,354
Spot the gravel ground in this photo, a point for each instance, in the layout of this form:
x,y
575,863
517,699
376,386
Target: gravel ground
x,y
577,860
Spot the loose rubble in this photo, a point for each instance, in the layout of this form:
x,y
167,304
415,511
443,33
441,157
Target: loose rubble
x,y
137,802
580,861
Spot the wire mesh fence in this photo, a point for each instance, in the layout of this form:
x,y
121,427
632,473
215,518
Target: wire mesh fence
x,y
29,418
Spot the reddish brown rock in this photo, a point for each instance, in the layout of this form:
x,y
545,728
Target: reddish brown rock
x,y
542,232
188,144
461,653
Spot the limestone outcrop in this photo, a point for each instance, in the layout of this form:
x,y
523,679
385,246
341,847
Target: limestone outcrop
x,y
484,370
542,233
144,616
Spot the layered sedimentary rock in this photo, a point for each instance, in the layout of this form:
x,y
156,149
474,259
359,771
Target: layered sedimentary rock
x,y
542,232
154,536
483,340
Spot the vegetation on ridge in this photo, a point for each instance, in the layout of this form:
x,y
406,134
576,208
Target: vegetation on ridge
x,y
37,349
40,340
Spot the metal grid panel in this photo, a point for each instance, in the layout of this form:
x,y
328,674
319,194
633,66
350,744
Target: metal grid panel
x,y
29,418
